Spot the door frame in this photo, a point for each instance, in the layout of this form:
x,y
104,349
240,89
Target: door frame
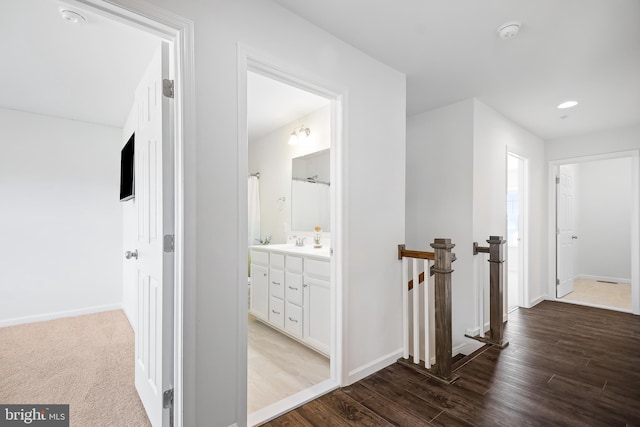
x,y
553,165
523,252
179,32
251,59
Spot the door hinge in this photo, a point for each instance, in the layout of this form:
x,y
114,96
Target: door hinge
x,y
169,243
167,403
557,177
557,282
167,88
167,399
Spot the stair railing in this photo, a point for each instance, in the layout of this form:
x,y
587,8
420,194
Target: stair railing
x,y
437,264
496,293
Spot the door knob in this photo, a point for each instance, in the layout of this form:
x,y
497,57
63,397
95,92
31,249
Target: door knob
x,y
574,237
129,254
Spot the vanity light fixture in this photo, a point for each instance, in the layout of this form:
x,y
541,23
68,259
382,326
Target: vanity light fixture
x,y
299,133
567,104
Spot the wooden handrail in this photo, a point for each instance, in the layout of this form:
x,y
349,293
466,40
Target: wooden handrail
x,y
402,252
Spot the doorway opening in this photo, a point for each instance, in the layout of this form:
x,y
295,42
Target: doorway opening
x,y
594,232
292,147
516,231
156,24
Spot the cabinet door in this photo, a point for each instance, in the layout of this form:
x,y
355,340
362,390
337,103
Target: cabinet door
x,y
317,314
259,292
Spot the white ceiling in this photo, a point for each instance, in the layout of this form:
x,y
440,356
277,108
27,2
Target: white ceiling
x,y
83,72
587,50
271,104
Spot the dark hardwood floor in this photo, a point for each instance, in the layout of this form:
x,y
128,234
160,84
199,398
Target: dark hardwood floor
x,y
566,365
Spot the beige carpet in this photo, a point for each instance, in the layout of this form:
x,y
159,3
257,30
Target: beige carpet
x,y
85,361
617,295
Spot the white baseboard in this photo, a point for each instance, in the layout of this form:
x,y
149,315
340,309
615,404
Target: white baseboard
x,y
58,315
603,278
537,301
374,366
467,347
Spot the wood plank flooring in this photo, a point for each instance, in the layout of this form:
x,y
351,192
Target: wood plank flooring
x,y
566,365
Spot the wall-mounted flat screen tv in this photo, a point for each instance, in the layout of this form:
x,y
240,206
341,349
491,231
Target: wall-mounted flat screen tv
x,y
127,182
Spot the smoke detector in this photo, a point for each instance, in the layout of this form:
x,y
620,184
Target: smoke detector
x,y
509,30
71,16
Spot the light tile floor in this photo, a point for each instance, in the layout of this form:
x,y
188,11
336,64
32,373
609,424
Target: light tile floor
x,y
279,366
617,295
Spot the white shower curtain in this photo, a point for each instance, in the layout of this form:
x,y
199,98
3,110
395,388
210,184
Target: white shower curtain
x,y
254,210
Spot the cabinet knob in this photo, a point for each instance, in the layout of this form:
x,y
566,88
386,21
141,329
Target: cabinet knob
x,y
305,285
275,312
293,320
292,288
276,283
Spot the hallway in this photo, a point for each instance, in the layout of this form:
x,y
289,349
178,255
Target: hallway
x,y
565,365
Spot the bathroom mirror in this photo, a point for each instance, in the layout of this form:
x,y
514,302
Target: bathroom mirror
x,y
310,191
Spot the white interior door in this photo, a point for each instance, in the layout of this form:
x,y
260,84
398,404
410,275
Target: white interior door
x,y
154,201
565,230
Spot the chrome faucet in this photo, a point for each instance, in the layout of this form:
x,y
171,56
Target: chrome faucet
x,y
299,240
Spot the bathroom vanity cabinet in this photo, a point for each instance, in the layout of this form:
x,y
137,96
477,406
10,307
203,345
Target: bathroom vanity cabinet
x,y
290,291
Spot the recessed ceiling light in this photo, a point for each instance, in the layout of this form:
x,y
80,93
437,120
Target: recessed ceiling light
x,y
71,16
509,30
568,104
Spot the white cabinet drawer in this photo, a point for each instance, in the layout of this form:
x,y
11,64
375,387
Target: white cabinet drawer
x,y
294,264
317,268
259,257
276,312
276,283
277,260
293,288
293,320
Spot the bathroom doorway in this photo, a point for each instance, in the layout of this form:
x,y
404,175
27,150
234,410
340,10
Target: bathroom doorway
x,y
291,175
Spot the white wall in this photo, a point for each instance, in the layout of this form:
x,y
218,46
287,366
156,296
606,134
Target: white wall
x,y
456,187
440,196
603,225
61,217
271,156
494,135
608,141
373,158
